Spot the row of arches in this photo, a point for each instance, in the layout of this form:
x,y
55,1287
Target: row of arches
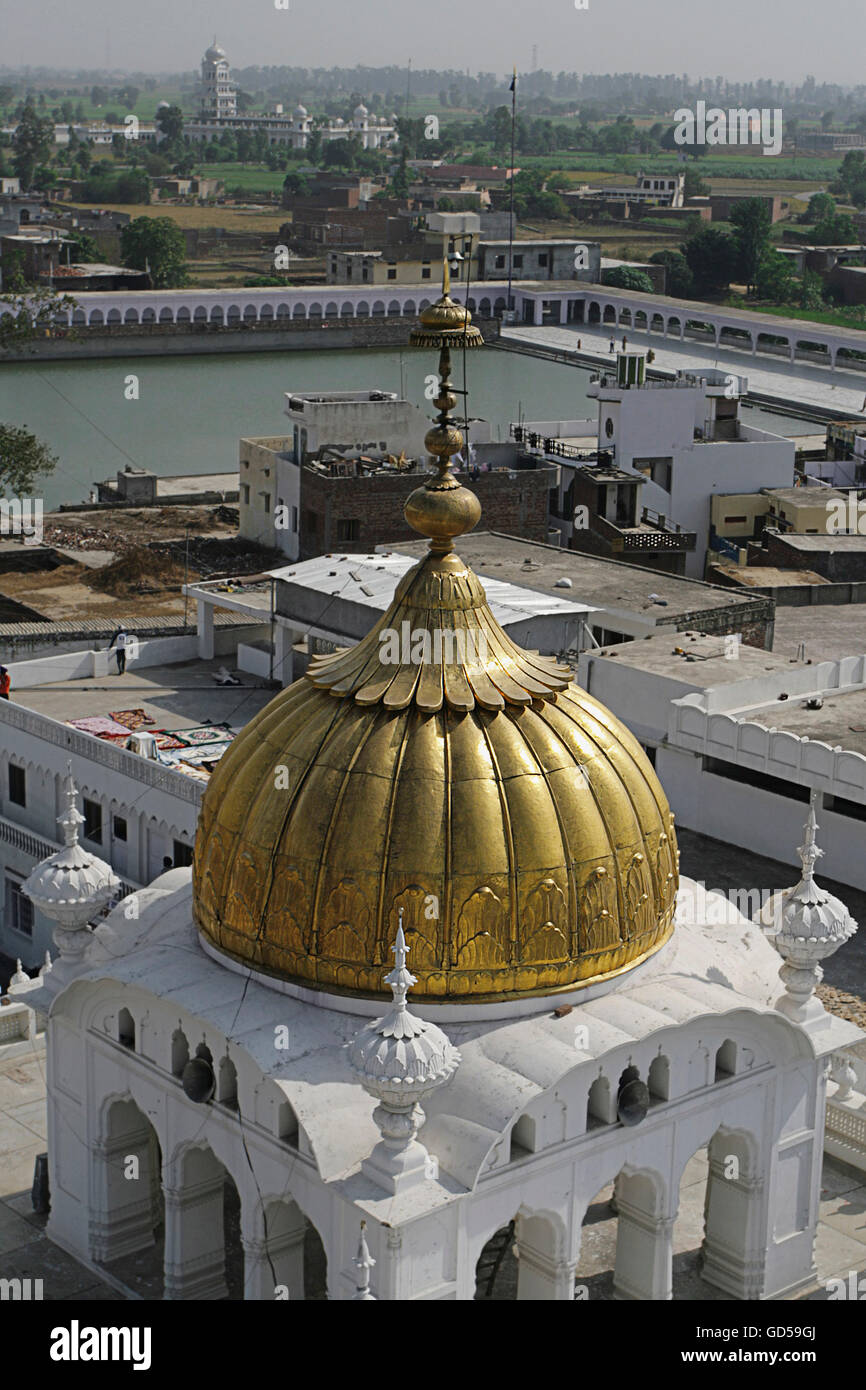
x,y
177,1225
639,1237
669,325
235,314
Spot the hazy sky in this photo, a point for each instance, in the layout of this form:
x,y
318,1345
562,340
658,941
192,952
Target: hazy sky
x,y
739,39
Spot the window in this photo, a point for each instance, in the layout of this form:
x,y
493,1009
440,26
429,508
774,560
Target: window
x,y
294,519
182,854
92,821
425,272
843,807
608,427
392,272
722,768
542,258
499,263
17,785
245,493
118,828
266,501
518,262
19,908
736,520
348,270
348,530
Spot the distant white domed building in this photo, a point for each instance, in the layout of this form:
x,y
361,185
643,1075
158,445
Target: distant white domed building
x,y
218,96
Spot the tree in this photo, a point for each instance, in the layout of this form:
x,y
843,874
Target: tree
x,y
711,255
296,186
774,279
821,205
32,143
29,312
156,244
169,121
626,277
680,282
23,459
694,184
835,230
752,222
86,248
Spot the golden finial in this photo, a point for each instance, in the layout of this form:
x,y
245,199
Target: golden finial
x,y
443,508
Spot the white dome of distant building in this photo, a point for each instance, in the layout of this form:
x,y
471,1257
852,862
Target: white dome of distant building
x,y
301,111
360,112
215,52
339,122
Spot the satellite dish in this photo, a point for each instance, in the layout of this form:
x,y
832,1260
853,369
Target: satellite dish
x,y
198,1081
632,1103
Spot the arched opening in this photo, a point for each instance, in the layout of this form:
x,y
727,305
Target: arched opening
x,y
347,311
200,314
126,1029
288,1256
233,316
96,317
283,311
113,316
598,1104
299,311
625,318
216,314
127,1214
165,315
675,327
287,1124
79,316
726,1060
393,309
625,1241
266,313
363,309
179,1052
609,315
659,1079
148,316
484,308
594,315
640,321
525,1260
182,315
315,311
250,314
204,1256
227,1083
409,308
331,310
657,324
496,1267
719,1238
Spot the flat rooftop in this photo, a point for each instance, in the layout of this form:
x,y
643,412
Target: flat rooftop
x,y
175,697
841,721
696,658
829,631
805,496
798,541
370,580
598,582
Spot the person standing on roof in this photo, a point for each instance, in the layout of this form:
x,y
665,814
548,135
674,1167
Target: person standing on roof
x,y
5,683
120,639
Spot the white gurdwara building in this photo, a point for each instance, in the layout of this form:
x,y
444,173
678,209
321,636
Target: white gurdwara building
x,y
252,1024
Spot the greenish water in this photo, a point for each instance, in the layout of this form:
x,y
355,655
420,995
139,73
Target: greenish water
x,y
192,411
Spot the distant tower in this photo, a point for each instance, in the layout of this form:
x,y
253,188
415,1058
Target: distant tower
x,y
218,98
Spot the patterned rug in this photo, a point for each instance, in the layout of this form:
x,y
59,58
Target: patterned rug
x,y
100,724
206,733
132,718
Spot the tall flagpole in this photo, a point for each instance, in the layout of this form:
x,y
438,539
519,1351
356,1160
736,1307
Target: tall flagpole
x,y
511,201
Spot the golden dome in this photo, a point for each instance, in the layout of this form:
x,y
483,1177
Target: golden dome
x,y
439,769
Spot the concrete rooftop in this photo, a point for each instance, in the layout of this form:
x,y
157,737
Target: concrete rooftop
x,y
829,630
598,582
176,696
705,663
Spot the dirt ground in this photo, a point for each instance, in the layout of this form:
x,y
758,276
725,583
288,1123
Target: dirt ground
x,y
127,577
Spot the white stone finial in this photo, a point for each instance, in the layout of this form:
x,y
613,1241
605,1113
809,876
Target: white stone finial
x,y
363,1262
71,817
400,1059
806,925
47,967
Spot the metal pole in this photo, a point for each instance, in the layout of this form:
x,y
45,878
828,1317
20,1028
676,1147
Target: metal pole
x,y
511,199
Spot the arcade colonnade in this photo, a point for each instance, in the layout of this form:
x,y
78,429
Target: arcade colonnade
x,y
115,1093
